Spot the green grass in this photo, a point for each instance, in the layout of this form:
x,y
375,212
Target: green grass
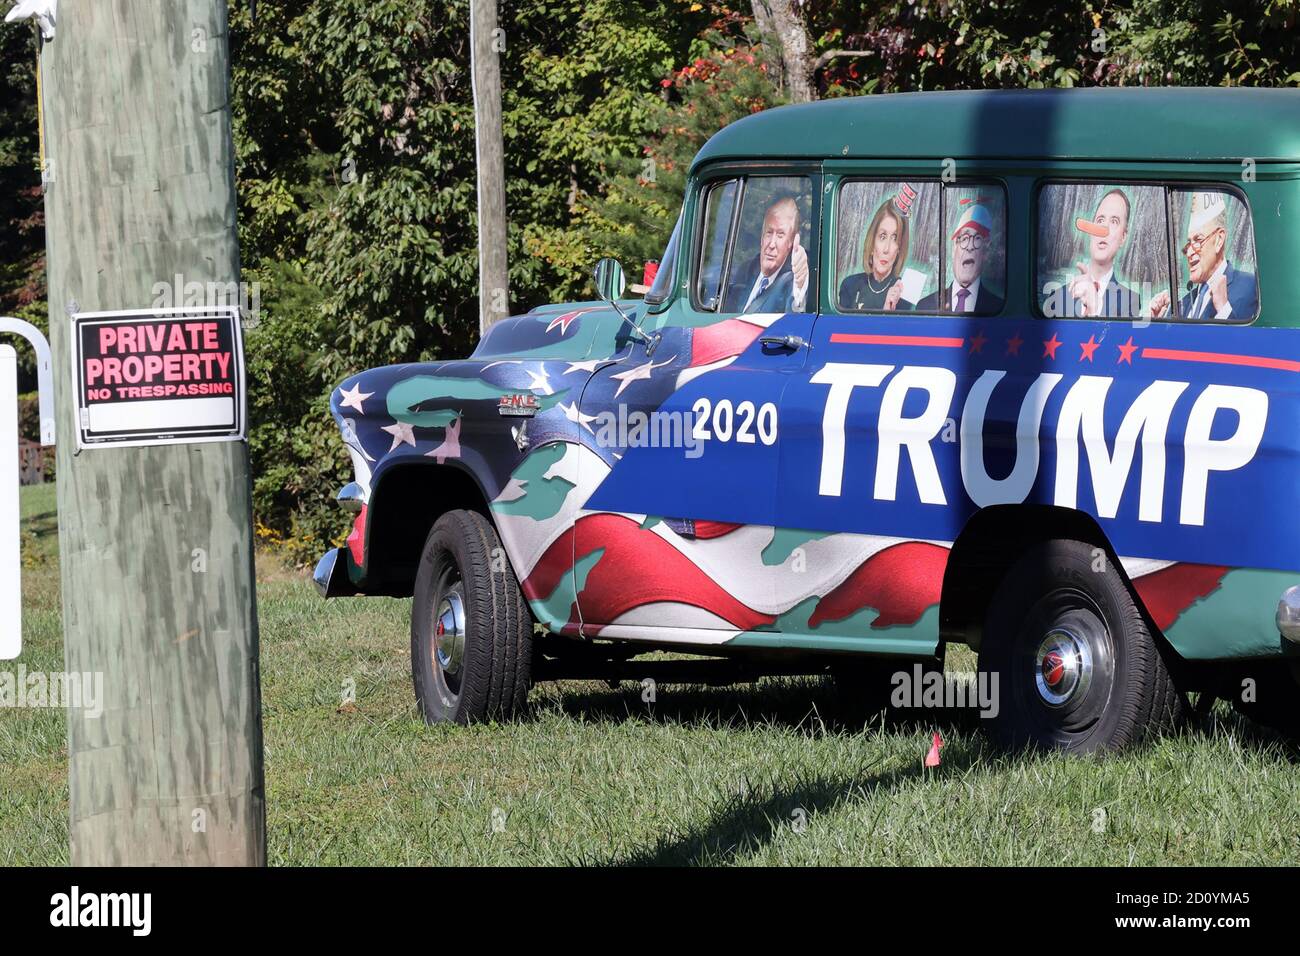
x,y
595,776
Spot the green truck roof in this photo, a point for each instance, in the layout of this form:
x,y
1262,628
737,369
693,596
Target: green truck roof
x,y
1135,124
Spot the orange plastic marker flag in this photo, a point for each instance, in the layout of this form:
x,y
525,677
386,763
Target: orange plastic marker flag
x,y
932,758
1092,228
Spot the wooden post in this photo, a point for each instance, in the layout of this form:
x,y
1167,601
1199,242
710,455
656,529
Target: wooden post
x,y
486,44
155,542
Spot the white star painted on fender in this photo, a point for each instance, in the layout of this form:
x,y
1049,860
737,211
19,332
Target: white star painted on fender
x,y
354,398
403,434
450,447
539,381
588,366
572,413
637,374
520,434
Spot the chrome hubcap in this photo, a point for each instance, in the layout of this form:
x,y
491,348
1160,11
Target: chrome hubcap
x,y
449,633
1062,667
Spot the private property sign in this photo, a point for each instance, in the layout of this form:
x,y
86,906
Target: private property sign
x,y
158,376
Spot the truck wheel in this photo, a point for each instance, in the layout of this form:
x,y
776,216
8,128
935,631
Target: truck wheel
x,y
471,633
1076,668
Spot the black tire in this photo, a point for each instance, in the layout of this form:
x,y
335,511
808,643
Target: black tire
x,y
486,674
864,685
1076,667
1275,696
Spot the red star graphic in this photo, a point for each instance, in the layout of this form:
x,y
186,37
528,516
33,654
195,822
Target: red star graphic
x,y
1126,351
1088,347
1050,346
1014,343
977,342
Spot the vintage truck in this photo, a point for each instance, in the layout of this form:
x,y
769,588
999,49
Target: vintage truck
x,y
915,370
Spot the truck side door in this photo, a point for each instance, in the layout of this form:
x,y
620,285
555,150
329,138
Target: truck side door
x,y
684,436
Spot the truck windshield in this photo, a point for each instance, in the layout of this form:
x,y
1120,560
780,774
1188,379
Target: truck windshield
x,y
663,283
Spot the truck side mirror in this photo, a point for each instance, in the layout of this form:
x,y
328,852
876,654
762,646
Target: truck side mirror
x,y
610,281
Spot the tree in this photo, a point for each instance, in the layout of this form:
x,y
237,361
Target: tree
x,y
781,24
22,216
356,177
732,75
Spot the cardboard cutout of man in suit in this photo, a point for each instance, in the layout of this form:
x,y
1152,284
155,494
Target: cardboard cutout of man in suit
x,y
970,248
1217,291
776,278
1096,291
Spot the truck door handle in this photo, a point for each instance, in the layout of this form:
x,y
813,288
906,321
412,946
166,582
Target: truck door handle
x,y
791,343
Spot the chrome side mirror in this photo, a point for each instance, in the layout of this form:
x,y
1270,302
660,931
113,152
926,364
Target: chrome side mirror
x,y
610,285
610,281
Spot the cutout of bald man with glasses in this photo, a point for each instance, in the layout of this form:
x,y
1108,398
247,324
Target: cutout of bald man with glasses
x,y
1217,291
970,249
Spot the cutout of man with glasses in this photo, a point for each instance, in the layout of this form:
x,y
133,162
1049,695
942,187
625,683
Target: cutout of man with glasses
x,y
970,249
1216,291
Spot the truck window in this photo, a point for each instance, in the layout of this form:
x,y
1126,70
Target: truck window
x,y
762,256
887,245
1103,250
719,211
1216,256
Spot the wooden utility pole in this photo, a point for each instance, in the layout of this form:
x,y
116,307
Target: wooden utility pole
x,y
487,42
155,542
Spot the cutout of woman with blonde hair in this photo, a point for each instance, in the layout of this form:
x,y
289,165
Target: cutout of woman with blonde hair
x,y
878,287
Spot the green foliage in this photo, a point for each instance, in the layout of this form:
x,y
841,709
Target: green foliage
x,y
631,217
354,127
395,244
934,44
1188,43
22,216
284,136
298,460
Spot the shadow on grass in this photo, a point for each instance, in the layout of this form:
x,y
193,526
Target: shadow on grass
x,y
812,705
806,704
748,822
743,825
1251,736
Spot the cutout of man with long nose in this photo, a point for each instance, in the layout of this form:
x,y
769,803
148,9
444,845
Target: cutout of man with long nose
x,y
1096,290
